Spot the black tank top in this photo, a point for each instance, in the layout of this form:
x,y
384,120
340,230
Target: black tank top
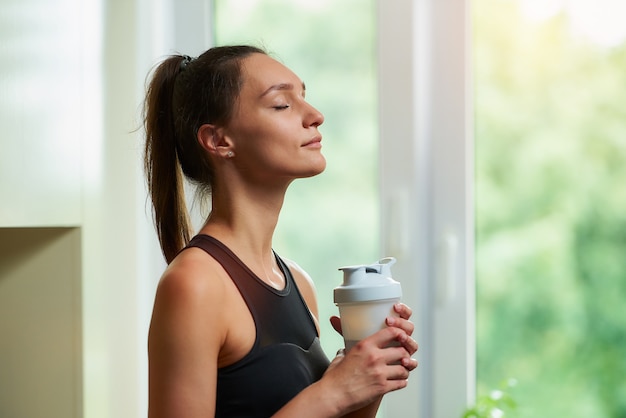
x,y
286,356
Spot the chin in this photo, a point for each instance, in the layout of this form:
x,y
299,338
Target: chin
x,y
313,171
320,168
312,168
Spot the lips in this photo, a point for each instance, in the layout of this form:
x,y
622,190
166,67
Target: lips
x,y
313,142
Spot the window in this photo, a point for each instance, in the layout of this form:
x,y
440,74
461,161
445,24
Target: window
x,y
551,229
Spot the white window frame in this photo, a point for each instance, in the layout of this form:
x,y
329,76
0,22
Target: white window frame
x,y
426,184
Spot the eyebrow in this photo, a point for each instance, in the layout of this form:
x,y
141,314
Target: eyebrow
x,y
281,86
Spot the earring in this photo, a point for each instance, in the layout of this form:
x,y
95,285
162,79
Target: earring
x,y
230,154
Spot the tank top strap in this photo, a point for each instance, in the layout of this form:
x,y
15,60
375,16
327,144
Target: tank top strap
x,y
279,315
238,271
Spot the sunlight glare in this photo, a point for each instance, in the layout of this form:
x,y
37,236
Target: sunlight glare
x,y
540,10
600,21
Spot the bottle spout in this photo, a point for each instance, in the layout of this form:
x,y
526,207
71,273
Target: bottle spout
x,y
383,266
353,274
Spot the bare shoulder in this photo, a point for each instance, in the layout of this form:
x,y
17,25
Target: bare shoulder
x,y
192,276
190,290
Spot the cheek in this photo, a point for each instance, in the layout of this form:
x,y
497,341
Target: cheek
x,y
262,135
256,146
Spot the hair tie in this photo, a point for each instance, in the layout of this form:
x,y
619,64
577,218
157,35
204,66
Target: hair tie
x,y
185,62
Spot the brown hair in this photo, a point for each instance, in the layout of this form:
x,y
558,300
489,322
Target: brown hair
x,y
183,94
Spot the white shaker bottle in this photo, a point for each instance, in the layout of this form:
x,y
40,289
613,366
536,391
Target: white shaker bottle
x,y
366,299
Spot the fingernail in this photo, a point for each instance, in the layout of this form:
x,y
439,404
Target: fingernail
x,y
391,321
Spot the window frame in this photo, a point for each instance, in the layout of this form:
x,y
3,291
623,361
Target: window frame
x,y
426,184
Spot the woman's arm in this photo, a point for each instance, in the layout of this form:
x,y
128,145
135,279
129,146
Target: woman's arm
x,y
183,350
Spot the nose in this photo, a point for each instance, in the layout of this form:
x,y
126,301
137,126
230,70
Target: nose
x,y
313,117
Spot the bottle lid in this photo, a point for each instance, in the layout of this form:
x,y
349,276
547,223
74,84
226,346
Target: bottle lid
x,y
368,283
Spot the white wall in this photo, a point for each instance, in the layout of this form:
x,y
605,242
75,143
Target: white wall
x,y
114,222
40,108
122,261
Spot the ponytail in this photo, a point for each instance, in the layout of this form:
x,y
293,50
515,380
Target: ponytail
x,y
161,165
184,94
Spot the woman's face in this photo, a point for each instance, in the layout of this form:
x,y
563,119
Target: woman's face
x,y
273,129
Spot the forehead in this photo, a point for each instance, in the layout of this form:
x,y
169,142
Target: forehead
x,y
261,72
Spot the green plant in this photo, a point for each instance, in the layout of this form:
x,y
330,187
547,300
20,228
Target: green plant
x,y
498,403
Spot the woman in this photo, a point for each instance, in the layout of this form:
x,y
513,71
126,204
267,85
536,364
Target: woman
x,y
234,330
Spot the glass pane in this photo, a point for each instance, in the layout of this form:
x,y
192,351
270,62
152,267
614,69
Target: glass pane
x,y
43,93
330,220
551,198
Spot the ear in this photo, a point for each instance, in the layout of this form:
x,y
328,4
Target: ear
x,y
213,140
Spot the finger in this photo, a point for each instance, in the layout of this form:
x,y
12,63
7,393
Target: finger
x,y
394,354
405,340
410,345
388,336
397,372
409,363
335,321
393,336
393,385
403,310
405,325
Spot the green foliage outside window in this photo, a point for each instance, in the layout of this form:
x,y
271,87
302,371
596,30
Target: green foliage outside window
x,y
551,214
498,403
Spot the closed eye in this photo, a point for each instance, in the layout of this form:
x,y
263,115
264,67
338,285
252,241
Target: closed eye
x,y
281,107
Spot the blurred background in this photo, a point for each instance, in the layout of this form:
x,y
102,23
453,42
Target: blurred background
x,y
550,118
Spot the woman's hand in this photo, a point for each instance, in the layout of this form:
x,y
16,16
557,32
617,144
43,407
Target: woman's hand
x,y
376,365
402,321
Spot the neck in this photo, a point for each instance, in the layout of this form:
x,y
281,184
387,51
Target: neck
x,y
245,221
243,216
